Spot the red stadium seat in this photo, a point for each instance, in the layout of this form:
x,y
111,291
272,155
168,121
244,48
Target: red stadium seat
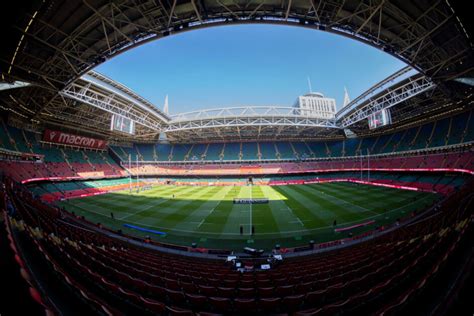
x,y
220,304
292,303
269,305
244,305
176,311
197,302
153,306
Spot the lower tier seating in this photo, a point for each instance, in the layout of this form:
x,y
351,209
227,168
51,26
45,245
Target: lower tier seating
x,y
382,275
450,160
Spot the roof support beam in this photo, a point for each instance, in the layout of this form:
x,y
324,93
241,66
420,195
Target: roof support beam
x,y
379,7
193,2
108,22
171,13
106,35
422,38
288,10
256,9
388,99
56,48
228,10
105,100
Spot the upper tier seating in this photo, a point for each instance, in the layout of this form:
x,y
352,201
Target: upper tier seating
x,y
302,150
250,151
57,162
459,125
214,152
197,152
147,153
232,151
66,162
6,140
441,135
180,151
448,131
351,147
267,150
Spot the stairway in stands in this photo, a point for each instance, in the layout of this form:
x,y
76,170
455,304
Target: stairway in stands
x,y
66,159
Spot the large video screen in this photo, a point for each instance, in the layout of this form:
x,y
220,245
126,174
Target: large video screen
x,y
122,124
380,118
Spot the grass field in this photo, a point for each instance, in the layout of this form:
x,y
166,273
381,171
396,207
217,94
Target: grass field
x,y
294,215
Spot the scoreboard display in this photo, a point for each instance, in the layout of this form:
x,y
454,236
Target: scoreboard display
x,y
380,118
122,124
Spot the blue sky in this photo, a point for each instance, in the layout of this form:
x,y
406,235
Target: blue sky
x,y
248,65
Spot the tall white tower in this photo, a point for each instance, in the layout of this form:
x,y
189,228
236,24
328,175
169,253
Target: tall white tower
x,y
165,108
347,100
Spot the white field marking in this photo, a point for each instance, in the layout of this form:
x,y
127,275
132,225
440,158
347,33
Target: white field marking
x,y
95,212
144,209
244,224
347,202
201,222
298,221
211,211
106,210
238,234
152,204
123,196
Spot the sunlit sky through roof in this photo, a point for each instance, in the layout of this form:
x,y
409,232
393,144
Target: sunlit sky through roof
x,y
248,65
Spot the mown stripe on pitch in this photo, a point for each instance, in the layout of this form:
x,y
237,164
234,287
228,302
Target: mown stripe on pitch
x,y
195,201
304,208
238,214
376,203
144,205
228,216
154,203
375,191
327,208
398,198
391,200
284,217
357,194
124,195
120,201
134,203
262,215
345,200
197,219
157,216
282,214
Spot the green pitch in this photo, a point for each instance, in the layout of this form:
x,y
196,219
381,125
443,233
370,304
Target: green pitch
x,y
294,215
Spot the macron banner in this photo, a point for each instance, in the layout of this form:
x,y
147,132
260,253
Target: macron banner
x,y
74,140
